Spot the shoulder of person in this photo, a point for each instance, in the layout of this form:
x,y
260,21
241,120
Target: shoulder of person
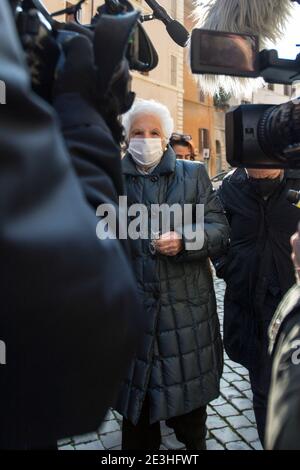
x,y
235,178
238,175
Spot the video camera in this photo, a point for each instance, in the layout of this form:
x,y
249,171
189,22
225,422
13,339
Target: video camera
x,y
116,31
257,136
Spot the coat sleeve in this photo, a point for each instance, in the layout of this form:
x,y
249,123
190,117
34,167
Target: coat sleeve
x,y
220,260
94,154
215,228
69,315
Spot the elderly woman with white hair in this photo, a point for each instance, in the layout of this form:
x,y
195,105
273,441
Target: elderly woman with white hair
x,y
177,369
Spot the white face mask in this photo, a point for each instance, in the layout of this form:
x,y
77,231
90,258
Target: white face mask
x,y
146,152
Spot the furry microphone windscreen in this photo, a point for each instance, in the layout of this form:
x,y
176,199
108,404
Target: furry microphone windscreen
x,y
266,18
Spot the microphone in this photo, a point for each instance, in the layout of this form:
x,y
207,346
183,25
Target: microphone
x,y
176,30
265,18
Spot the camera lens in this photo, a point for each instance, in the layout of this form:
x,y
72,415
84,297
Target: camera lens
x,y
279,130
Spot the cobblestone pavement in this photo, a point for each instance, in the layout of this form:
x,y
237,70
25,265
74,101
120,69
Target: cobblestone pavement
x,y
231,422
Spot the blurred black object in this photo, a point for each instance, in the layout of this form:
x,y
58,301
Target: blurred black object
x,y
264,136
141,53
258,136
283,424
69,314
115,30
238,55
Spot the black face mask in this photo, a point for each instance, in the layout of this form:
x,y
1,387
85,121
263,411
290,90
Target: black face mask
x,y
265,187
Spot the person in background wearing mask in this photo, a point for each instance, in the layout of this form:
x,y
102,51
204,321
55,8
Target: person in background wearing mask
x,y
177,369
257,269
183,146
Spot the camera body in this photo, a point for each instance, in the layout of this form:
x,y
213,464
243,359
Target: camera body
x,y
116,24
243,146
263,136
257,136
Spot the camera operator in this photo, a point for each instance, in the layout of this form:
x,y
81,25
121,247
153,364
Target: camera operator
x,y
257,269
283,424
92,133
69,310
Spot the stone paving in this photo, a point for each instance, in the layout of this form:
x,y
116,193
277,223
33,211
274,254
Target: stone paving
x,y
231,422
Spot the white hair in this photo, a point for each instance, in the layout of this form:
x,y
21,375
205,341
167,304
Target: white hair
x,y
152,108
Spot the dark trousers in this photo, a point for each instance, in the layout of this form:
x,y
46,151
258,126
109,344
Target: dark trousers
x,y
261,370
190,429
260,379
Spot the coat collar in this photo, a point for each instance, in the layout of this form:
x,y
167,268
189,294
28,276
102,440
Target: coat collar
x,y
240,174
165,167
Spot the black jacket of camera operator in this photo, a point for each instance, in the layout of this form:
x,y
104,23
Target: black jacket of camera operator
x,y
69,313
258,264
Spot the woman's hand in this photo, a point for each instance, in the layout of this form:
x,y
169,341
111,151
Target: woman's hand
x,y
169,244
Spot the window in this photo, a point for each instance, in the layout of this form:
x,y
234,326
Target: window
x,y
287,89
271,87
173,70
203,139
204,147
219,161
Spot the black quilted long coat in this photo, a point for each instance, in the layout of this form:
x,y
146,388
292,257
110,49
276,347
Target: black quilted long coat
x,y
180,360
